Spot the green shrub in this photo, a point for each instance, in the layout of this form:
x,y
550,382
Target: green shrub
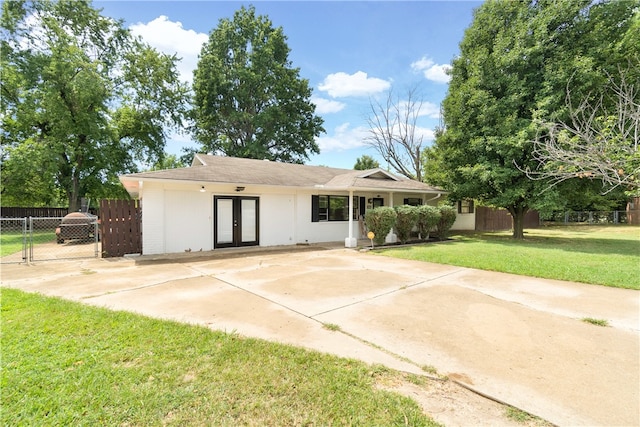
x,y
428,218
406,219
447,218
380,220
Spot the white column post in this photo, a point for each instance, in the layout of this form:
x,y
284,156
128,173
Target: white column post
x,y
391,237
350,242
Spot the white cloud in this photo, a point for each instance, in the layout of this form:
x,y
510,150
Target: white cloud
x,y
427,109
327,106
426,134
171,38
358,84
344,138
431,70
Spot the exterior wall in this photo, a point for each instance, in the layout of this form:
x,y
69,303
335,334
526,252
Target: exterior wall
x,y
188,221
465,221
177,216
152,219
318,232
277,219
175,219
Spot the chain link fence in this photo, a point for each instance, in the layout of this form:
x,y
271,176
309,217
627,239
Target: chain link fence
x,y
591,217
13,240
50,238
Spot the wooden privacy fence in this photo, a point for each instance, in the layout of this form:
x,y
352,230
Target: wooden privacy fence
x,y
41,212
120,227
490,219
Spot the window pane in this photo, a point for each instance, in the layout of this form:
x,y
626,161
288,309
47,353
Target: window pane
x,y
323,211
338,208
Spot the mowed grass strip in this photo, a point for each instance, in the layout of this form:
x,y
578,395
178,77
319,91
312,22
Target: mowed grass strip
x,y
12,242
599,255
65,363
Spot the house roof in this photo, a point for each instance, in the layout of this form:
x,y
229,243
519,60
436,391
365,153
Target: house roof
x,y
238,171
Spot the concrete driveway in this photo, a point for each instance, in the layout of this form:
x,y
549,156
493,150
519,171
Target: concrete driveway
x,y
518,339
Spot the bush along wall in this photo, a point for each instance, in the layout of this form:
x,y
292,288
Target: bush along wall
x,y
447,218
404,218
428,218
380,220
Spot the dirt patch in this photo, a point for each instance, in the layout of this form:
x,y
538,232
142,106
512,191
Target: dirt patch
x,y
452,405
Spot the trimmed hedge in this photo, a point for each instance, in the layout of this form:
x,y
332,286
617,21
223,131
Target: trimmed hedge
x,y
380,220
428,218
407,217
448,216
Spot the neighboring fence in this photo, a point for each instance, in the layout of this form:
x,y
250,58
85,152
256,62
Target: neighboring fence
x,y
20,212
491,219
121,227
611,217
48,238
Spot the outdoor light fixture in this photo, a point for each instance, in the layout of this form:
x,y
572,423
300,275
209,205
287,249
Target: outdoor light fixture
x,y
239,189
202,189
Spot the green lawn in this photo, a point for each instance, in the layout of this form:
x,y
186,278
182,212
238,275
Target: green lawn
x,y
11,241
600,255
64,363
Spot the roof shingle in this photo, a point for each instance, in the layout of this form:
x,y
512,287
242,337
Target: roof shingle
x,y
233,170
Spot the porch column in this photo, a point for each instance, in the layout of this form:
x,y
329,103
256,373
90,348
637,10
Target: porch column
x,y
391,237
350,242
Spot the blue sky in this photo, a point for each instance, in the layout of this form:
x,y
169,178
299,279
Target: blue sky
x,y
351,52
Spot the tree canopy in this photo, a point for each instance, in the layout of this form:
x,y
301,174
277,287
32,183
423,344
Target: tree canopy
x,y
249,100
514,64
82,102
365,162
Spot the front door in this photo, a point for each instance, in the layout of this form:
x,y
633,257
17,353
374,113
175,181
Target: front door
x,y
236,221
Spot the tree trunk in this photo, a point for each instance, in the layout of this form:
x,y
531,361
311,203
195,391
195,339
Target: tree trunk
x,y
517,214
74,194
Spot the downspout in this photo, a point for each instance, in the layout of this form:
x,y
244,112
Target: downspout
x,y
434,198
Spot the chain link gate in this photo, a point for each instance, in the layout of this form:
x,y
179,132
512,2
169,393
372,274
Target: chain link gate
x,y
49,238
13,235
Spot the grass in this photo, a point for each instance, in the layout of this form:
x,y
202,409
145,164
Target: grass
x,y
64,363
11,241
599,255
523,417
331,326
597,322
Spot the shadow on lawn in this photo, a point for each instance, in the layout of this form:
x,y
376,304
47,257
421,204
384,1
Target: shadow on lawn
x,y
580,242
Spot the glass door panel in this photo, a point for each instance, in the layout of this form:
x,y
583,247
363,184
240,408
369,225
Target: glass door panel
x,y
248,220
224,221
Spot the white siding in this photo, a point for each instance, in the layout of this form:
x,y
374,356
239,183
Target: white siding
x,y
152,219
177,217
465,222
187,222
277,219
318,232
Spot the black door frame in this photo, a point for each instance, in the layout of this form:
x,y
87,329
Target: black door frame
x,y
237,222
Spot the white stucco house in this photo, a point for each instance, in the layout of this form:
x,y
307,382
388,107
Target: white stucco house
x,y
221,202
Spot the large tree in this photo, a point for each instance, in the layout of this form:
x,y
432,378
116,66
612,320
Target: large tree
x,y
249,100
82,101
514,63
